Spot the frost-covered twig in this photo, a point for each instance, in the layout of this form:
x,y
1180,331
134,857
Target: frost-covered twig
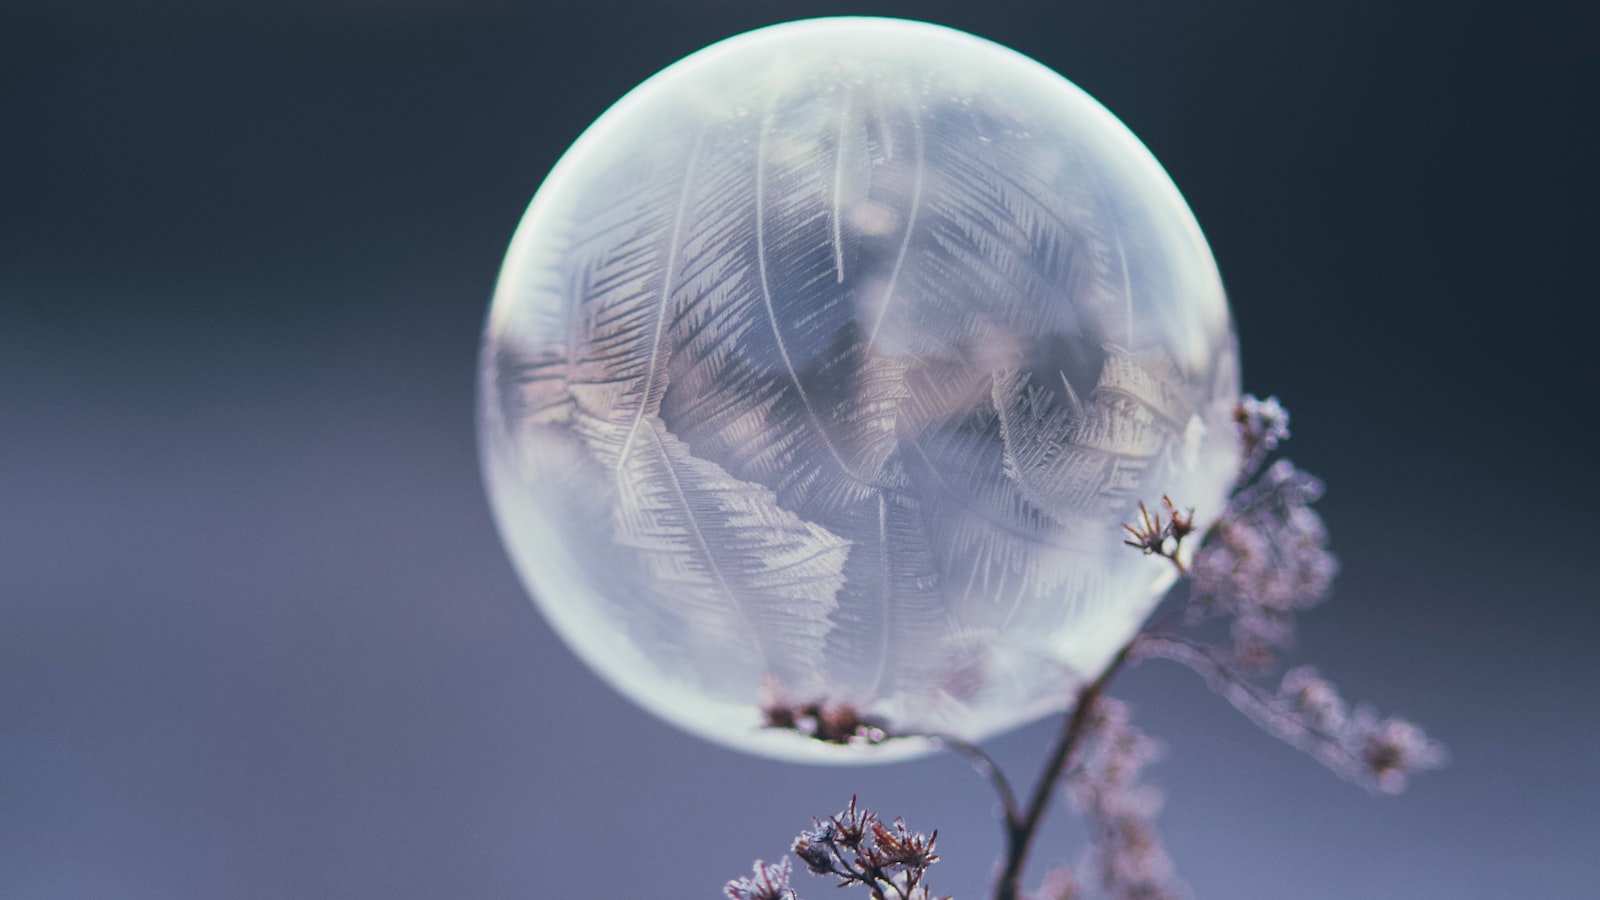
x,y
1307,712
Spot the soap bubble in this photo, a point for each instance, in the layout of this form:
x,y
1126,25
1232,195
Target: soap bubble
x,y
827,366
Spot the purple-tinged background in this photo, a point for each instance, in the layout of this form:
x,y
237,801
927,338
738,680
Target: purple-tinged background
x,y
257,635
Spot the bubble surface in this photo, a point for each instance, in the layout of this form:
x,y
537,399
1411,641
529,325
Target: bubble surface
x,y
827,365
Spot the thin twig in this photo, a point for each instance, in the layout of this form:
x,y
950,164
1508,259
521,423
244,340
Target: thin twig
x,y
1252,699
984,765
1019,837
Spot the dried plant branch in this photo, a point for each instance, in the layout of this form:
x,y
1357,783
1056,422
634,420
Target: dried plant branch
x,y
1307,713
859,849
1020,835
1263,562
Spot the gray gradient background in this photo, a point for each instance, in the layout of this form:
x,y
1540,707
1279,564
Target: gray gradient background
x,y
257,635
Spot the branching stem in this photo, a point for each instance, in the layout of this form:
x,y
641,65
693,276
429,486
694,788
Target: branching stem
x,y
1021,830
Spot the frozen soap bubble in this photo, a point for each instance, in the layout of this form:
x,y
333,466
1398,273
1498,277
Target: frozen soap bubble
x,y
828,364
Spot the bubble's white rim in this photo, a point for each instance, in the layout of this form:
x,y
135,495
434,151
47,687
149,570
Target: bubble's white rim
x,y
707,723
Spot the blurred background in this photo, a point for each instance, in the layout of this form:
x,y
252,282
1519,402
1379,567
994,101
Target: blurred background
x,y
258,638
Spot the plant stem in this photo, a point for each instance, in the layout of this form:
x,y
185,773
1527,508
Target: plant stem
x,y
1020,831
985,766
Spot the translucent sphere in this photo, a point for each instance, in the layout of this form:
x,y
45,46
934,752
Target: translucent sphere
x,y
828,364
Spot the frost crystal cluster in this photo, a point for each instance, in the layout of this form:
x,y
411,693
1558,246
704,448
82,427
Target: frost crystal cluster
x,y
828,365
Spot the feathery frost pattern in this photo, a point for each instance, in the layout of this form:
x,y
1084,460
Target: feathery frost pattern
x,y
741,571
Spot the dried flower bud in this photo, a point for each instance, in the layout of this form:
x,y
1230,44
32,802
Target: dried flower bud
x,y
1263,425
831,724
817,857
1182,524
852,825
1314,700
1393,749
899,847
818,848
767,883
